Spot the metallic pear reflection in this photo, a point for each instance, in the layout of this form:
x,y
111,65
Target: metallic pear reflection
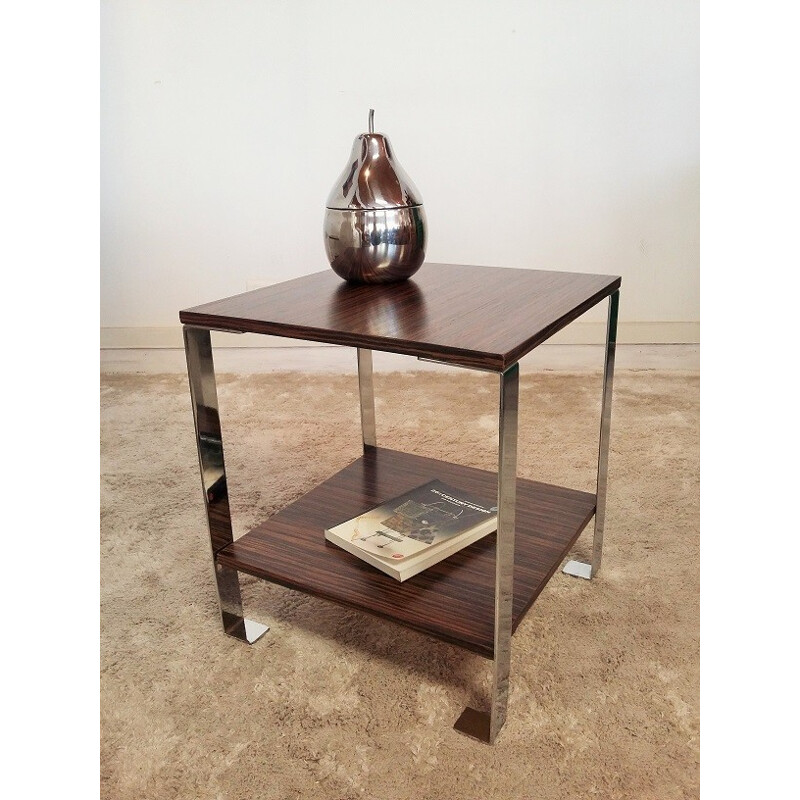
x,y
375,226
377,246
396,314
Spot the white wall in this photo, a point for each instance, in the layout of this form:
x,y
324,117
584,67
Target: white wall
x,y
552,134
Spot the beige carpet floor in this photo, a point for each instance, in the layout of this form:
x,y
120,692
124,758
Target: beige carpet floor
x,y
337,704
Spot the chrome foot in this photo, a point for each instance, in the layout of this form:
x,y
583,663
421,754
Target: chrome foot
x,y
578,569
246,630
476,724
253,631
485,725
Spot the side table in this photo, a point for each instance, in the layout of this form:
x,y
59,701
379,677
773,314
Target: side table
x,y
483,318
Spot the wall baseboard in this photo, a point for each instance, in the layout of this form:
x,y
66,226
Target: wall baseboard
x,y
589,332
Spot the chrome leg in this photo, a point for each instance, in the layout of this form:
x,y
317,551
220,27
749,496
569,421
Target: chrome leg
x,y
203,386
366,395
578,568
485,725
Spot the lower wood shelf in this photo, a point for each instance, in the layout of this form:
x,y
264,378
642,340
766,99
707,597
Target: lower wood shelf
x,y
454,599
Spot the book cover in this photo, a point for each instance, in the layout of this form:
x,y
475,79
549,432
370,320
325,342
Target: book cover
x,y
409,533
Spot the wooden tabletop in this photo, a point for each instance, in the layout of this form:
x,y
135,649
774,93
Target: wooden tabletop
x,y
483,317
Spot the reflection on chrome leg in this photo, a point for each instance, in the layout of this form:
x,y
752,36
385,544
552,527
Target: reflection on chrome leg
x,y
578,568
366,395
484,725
203,387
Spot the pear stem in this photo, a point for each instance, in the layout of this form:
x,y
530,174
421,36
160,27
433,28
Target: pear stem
x,y
372,120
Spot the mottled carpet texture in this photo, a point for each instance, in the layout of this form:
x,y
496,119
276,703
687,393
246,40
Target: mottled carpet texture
x,y
333,703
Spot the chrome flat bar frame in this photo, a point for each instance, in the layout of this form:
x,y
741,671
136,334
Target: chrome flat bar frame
x,y
580,569
366,398
205,407
485,725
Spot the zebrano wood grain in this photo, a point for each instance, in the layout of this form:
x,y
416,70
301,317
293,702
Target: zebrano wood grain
x,y
484,317
454,599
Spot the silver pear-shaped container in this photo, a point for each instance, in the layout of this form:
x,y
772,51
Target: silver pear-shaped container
x,y
375,226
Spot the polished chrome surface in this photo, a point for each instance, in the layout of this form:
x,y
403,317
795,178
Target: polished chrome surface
x,y
375,225
480,724
579,569
205,407
605,431
504,567
379,246
366,395
373,177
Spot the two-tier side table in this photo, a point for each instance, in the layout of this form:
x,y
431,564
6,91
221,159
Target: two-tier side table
x,y
483,318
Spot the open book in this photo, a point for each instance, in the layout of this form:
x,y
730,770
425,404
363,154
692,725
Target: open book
x,y
409,533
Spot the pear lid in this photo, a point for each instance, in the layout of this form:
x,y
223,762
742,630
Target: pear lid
x,y
373,178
